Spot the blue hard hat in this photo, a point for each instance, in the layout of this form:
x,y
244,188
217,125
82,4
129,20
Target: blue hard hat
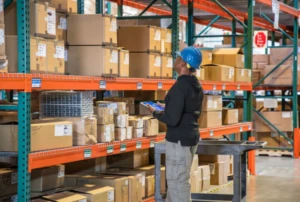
x,y
192,56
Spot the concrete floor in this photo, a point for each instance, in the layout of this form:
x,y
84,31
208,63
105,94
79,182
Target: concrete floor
x,y
277,180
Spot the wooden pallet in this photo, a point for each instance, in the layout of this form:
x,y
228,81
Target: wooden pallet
x,y
274,153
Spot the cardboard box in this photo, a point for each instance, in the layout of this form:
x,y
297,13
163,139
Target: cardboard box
x,y
272,138
88,166
195,163
200,74
166,40
278,54
230,116
120,134
238,40
205,173
119,183
150,126
142,38
61,26
218,174
123,64
118,107
242,75
212,103
130,108
69,6
256,76
281,76
84,130
92,29
145,65
93,60
55,57
150,185
106,133
121,121
233,57
206,57
261,66
282,120
57,133
66,197
210,119
136,122
45,179
261,58
134,159
97,193
166,66
137,132
8,182
2,40
129,132
218,73
194,181
105,115
213,158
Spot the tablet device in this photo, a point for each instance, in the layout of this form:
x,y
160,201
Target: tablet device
x,y
154,105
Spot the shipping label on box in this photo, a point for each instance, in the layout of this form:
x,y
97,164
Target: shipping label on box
x,y
106,133
121,121
120,134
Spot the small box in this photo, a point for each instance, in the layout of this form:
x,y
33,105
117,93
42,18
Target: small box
x,y
142,38
2,41
92,29
218,174
69,6
150,126
61,26
195,163
242,75
200,74
10,183
66,197
206,57
166,66
150,185
105,133
205,173
95,193
283,120
123,64
121,121
105,115
233,57
133,159
261,58
55,57
145,65
210,119
120,134
118,107
137,132
88,166
279,54
230,116
129,132
219,73
166,40
212,103
45,179
136,122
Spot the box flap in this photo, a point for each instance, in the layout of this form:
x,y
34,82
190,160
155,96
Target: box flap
x,y
227,51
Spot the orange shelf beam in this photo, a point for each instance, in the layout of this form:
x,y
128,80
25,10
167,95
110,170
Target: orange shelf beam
x,y
66,155
283,7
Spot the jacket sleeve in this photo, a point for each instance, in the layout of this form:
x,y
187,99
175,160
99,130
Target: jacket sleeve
x,y
172,115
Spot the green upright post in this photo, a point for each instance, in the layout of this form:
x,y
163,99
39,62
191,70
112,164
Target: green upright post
x,y
108,5
233,39
80,6
273,38
190,25
23,102
175,30
120,8
99,6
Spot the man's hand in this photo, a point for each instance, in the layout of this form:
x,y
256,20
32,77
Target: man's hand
x,y
151,109
161,104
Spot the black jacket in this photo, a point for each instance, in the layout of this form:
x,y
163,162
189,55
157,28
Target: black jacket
x,y
182,110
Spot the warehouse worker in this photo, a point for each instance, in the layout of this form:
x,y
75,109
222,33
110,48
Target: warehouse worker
x,y
182,109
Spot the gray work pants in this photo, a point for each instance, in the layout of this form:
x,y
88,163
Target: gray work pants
x,y
178,167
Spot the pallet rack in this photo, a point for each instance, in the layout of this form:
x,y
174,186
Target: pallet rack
x,y
25,83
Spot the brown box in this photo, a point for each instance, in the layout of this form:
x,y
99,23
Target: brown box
x,y
129,132
194,181
2,41
66,197
142,38
97,193
137,132
134,159
105,115
121,121
282,120
272,139
218,73
206,57
145,65
120,134
278,54
69,6
261,59
119,183
256,75
88,166
57,133
93,60
55,57
229,56
84,130
45,179
150,126
205,174
123,64
210,119
218,174
242,75
105,133
92,29
136,122
212,103
281,76
8,182
61,26
230,116
150,185
166,66
166,40
238,40
261,66
118,107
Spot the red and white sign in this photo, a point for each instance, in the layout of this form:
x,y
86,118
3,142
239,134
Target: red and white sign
x,y
260,39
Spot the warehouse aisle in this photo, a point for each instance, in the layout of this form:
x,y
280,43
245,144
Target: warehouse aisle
x,y
277,180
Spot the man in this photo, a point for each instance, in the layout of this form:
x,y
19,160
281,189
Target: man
x,y
182,109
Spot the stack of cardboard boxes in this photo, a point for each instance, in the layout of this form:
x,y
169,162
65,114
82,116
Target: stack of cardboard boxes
x,y
211,115
199,176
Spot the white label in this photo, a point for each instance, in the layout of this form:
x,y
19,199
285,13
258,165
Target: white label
x,y
139,144
152,143
14,178
62,23
157,62
243,58
114,56
139,86
286,115
123,134
60,52
249,73
211,133
36,83
215,104
110,149
87,153
102,85
270,103
110,195
276,20
219,115
63,130
2,36
61,173
126,182
169,38
236,114
66,55
113,25
42,50
159,85
126,59
51,21
198,73
123,147
143,180
82,200
170,62
231,73
210,56
139,133
210,102
242,72
107,134
157,35
241,129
